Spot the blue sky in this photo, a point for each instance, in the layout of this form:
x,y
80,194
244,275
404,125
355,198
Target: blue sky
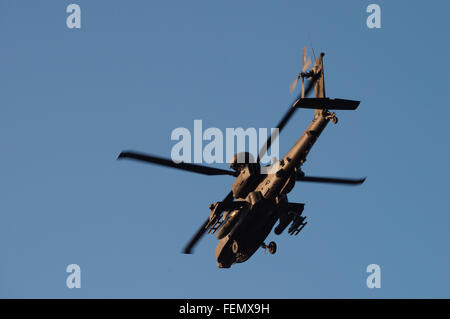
x,y
71,100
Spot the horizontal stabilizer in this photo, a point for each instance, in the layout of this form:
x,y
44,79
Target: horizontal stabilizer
x,y
326,103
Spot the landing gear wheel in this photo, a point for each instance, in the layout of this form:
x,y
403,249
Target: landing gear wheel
x,y
334,119
234,247
272,247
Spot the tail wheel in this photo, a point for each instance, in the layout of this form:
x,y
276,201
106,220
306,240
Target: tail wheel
x,y
334,119
234,247
272,247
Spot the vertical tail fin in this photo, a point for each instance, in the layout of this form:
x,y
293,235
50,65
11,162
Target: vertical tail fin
x,y
319,86
320,102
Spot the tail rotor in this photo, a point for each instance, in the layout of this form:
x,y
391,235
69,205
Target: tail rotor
x,y
302,74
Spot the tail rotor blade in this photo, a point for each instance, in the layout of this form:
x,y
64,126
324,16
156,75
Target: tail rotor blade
x,y
293,85
304,55
306,66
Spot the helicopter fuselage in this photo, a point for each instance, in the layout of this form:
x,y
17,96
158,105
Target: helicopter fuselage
x,y
264,206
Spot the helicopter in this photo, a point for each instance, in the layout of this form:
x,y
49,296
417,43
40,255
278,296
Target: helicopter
x,y
258,198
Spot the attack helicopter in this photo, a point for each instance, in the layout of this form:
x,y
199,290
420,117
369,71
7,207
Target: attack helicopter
x,y
258,198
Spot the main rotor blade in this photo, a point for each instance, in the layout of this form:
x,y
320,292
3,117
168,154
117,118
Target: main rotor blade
x,y
202,230
197,236
331,180
283,122
306,65
196,168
